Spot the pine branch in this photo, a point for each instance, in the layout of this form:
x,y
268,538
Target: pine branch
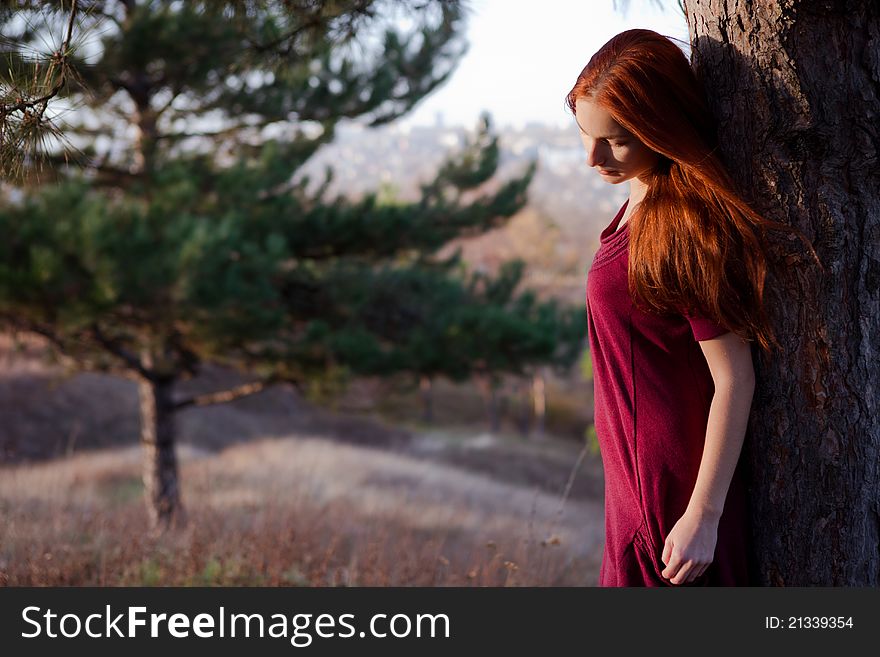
x,y
224,396
317,22
114,346
109,174
22,325
223,132
61,347
23,122
59,58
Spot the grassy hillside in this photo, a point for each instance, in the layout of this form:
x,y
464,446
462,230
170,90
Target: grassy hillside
x,y
282,492
290,511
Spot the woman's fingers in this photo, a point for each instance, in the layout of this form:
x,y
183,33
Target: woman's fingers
x,y
684,574
666,555
673,565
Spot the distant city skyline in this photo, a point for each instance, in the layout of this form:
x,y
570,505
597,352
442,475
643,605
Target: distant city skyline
x,y
524,56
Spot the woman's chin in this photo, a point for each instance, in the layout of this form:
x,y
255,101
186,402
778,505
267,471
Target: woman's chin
x,y
612,177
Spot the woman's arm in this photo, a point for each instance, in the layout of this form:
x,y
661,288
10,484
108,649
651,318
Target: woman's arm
x,y
690,545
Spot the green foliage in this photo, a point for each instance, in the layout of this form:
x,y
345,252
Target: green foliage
x,y
474,165
181,237
586,366
592,439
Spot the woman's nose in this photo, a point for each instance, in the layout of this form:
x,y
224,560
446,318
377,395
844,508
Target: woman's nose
x,y
594,154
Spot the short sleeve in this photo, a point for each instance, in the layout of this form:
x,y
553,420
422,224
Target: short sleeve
x,y
704,328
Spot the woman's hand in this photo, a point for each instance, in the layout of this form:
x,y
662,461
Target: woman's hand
x,y
689,548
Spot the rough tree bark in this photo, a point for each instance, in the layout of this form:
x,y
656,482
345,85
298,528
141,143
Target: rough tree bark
x,y
160,461
795,86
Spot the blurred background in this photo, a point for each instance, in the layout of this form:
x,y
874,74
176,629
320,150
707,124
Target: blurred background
x,y
293,293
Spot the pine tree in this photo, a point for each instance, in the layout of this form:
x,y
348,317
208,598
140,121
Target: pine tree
x,y
178,236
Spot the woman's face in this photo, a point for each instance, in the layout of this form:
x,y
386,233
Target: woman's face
x,y
614,152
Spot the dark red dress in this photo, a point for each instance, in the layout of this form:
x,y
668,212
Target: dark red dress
x,y
652,392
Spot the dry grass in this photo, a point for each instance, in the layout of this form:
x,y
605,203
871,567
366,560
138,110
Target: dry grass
x,y
290,512
322,506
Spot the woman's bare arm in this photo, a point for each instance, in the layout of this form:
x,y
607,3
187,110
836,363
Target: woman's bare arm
x,y
730,361
690,544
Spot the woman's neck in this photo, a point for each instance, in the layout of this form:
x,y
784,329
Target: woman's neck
x,y
637,191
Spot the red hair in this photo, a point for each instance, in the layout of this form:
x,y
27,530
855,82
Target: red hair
x,y
696,246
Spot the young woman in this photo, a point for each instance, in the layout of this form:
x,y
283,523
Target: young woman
x,y
674,303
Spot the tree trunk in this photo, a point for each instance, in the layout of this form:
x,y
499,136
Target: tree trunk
x,y
489,388
796,90
494,408
427,390
524,404
540,403
160,462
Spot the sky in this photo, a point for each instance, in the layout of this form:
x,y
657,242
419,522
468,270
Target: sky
x,y
525,55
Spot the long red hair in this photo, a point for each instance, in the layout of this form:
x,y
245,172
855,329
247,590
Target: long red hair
x,y
696,246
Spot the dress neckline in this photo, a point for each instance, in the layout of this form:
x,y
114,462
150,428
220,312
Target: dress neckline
x,y
612,243
611,235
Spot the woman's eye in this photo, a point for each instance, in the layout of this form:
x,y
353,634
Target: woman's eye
x,y
619,144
